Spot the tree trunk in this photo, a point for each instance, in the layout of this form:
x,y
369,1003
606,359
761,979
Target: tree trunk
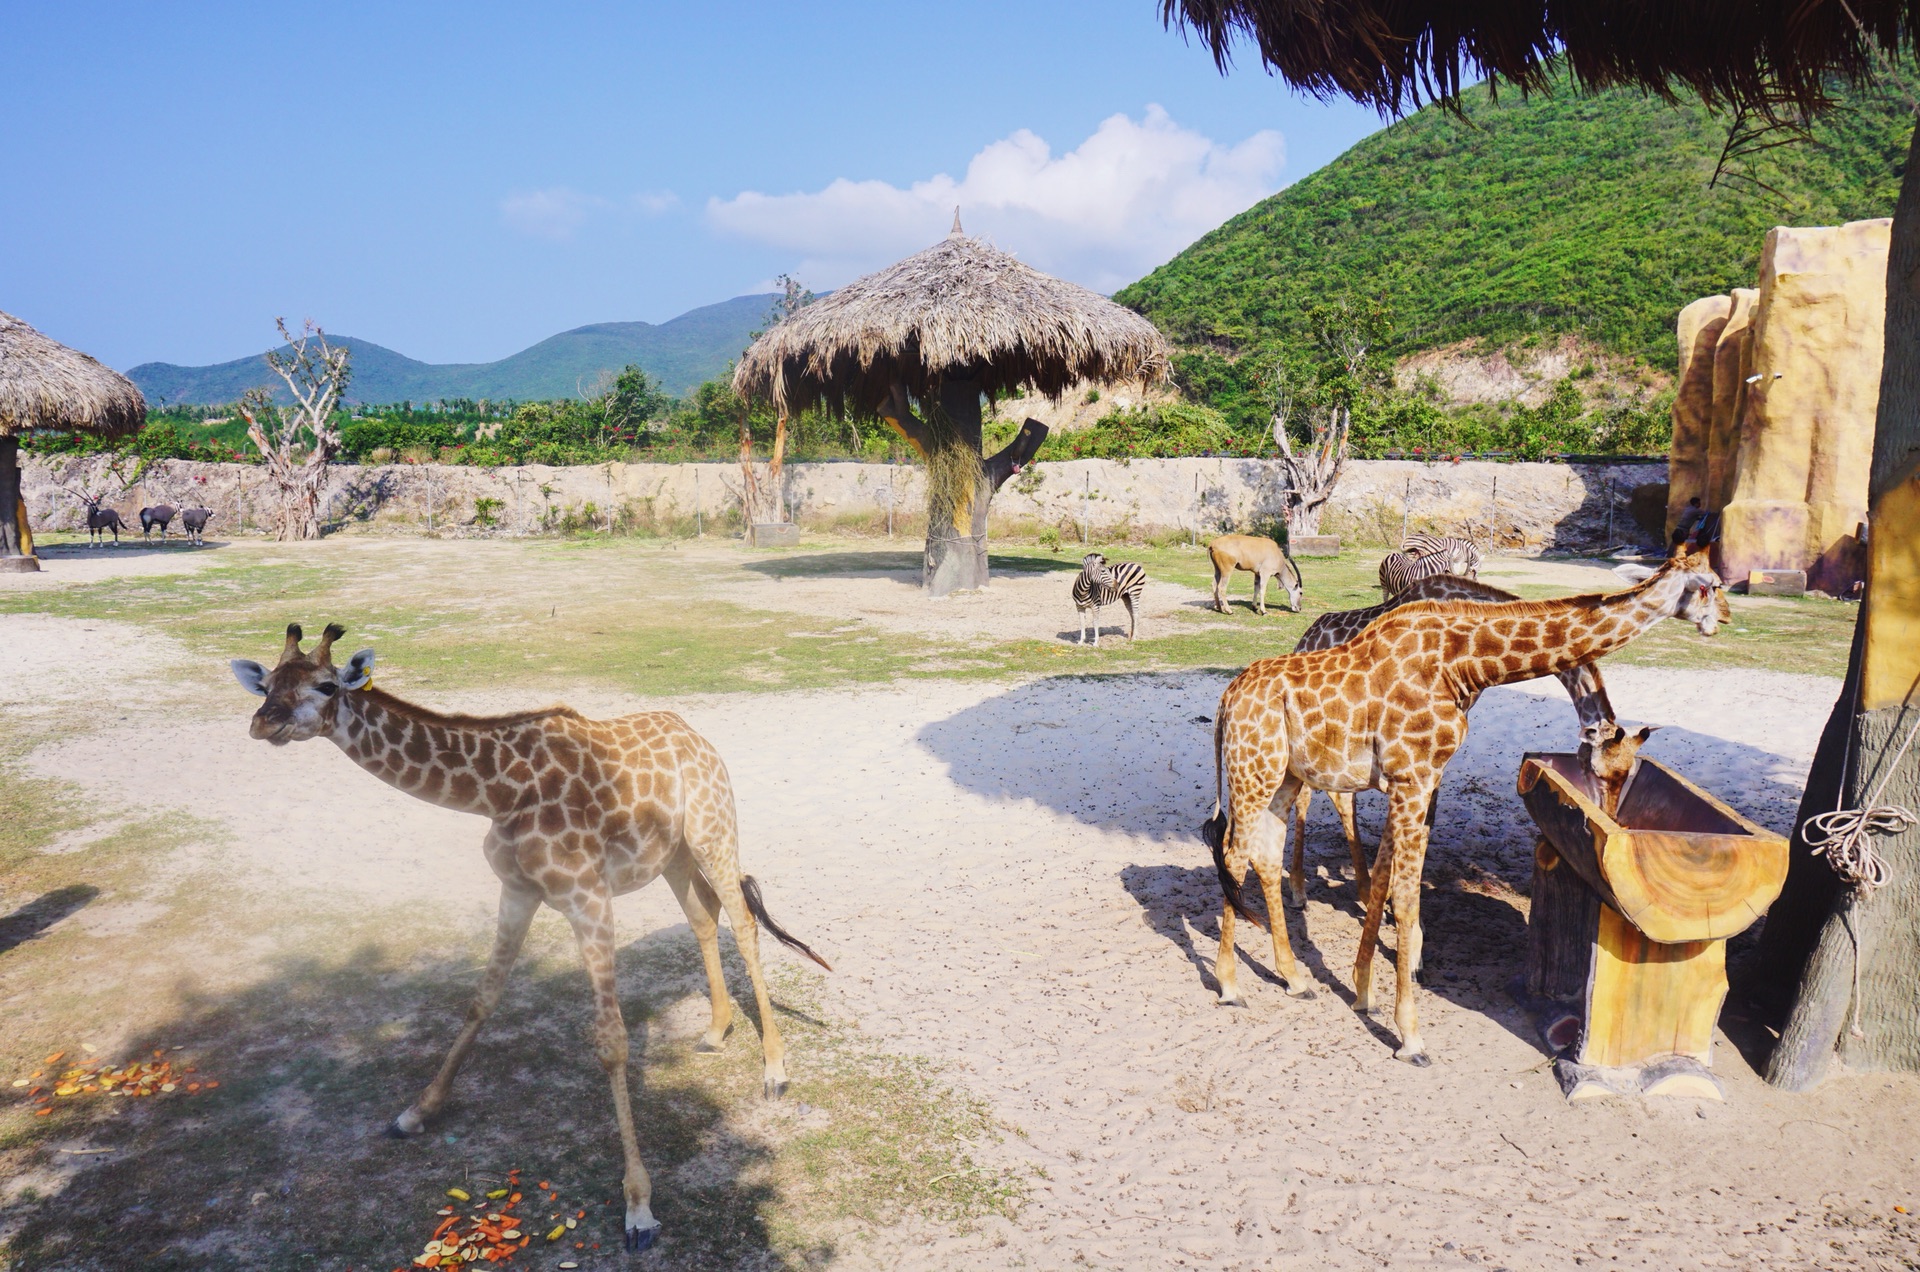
x,y
961,484
16,549
1828,936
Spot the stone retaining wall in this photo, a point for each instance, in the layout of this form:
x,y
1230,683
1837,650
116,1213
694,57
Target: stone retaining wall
x,y
1519,507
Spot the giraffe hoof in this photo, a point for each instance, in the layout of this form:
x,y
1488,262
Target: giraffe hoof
x,y
1231,1000
706,1048
1418,1059
1304,993
406,1126
774,1088
639,1239
1295,900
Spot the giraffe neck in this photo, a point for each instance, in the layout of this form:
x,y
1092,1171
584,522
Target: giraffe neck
x,y
1557,636
469,765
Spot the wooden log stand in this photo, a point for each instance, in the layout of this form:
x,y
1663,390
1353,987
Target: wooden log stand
x,y
1627,942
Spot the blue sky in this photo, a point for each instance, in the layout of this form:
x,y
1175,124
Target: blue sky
x,y
459,181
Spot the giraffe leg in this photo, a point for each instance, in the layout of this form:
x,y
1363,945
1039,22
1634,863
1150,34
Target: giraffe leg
x,y
703,916
1370,927
1343,804
1406,962
746,935
517,908
1270,863
1297,877
592,919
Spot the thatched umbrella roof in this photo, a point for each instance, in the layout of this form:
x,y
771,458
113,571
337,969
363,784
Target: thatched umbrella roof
x,y
1392,54
44,384
960,309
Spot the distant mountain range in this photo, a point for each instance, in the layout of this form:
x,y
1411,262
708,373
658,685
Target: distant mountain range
x,y
680,353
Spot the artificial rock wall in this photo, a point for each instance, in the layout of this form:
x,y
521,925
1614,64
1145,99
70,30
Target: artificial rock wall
x,y
1773,421
1517,507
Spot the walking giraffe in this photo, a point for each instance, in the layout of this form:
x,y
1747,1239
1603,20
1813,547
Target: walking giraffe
x,y
1583,683
583,810
1387,710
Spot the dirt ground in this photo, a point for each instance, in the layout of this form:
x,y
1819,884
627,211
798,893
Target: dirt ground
x,y
1006,875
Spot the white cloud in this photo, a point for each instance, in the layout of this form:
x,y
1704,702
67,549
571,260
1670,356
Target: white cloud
x,y
549,214
1128,198
556,213
655,202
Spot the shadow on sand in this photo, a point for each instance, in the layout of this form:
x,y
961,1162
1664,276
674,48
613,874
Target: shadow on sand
x,y
285,1165
41,913
1134,754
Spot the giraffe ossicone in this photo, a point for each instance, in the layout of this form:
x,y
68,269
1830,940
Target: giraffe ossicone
x,y
582,811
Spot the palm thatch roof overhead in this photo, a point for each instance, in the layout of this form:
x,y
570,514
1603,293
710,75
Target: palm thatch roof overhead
x,y
44,384
1763,55
962,309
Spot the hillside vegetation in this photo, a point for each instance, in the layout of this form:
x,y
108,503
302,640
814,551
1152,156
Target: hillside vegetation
x,y
1589,215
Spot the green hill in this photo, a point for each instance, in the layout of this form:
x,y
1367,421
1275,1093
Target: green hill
x,y
1589,215
680,353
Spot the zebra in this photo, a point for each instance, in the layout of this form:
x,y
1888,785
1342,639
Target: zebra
x,y
1100,583
1426,545
1400,570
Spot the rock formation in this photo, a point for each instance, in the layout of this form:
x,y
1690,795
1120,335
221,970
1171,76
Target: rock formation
x,y
1700,327
1794,389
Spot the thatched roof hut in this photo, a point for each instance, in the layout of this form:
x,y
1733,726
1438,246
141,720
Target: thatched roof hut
x,y
960,309
44,384
1393,54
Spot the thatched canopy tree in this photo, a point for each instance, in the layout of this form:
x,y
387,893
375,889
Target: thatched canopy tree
x,y
44,384
943,328
1841,948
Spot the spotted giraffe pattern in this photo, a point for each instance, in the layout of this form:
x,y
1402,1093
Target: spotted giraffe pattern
x,y
582,811
1583,683
1386,711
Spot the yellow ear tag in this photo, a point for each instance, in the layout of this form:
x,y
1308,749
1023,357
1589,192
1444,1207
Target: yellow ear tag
x,y
368,684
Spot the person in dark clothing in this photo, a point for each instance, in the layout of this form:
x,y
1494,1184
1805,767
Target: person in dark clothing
x,y
1687,533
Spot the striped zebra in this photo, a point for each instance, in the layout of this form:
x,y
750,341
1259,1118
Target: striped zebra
x,y
1426,545
1102,583
1401,570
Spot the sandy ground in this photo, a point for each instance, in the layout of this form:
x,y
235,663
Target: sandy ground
x,y
1008,880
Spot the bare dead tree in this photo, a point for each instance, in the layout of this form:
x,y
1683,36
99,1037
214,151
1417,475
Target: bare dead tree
x,y
300,441
1345,364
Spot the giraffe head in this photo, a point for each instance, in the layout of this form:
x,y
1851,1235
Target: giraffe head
x,y
1608,752
302,691
1703,598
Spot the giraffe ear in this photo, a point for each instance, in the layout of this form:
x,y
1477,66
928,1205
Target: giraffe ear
x,y
251,675
1632,572
1647,731
358,673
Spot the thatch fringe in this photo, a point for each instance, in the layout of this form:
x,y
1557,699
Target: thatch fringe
x,y
960,309
44,384
1772,57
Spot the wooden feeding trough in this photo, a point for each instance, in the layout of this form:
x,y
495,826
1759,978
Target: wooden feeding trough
x,y
1627,943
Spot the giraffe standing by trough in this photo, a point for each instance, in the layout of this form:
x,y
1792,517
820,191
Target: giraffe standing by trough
x,y
582,811
1387,710
1330,630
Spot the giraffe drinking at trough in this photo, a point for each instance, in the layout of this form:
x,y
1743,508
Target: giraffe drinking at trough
x,y
583,810
1386,711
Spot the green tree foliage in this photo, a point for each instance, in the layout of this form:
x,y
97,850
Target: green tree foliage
x,y
1530,217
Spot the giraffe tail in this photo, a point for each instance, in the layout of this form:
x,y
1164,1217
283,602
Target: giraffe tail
x,y
750,888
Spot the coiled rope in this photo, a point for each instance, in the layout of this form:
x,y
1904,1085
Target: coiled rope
x,y
1844,838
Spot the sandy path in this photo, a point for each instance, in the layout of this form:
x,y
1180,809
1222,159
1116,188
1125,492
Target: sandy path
x,y
1007,879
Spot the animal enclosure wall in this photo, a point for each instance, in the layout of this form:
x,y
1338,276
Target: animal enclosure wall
x,y
1521,507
